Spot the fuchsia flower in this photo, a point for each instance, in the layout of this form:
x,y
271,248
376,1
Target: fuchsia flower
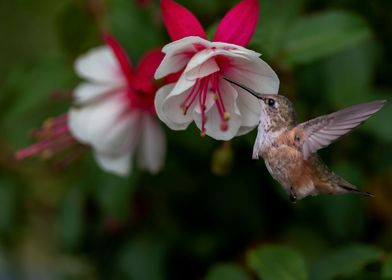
x,y
116,114
218,108
114,111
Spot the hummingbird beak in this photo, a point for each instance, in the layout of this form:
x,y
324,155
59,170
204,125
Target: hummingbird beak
x,y
255,94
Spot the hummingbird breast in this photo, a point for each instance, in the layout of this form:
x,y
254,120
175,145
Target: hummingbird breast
x,y
286,165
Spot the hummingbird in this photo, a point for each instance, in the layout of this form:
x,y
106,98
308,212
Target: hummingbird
x,y
289,149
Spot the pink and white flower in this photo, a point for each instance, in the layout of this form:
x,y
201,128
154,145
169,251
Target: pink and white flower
x,y
219,109
114,114
115,111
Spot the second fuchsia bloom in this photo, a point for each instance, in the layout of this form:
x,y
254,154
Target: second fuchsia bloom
x,y
115,112
201,94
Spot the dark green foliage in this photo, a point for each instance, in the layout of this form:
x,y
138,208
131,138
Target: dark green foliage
x,y
226,271
277,262
212,213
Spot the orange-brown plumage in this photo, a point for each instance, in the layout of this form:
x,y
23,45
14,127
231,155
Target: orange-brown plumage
x,y
290,149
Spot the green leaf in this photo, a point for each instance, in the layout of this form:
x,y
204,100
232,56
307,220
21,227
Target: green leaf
x,y
387,268
345,262
317,36
80,33
349,75
226,271
143,259
34,83
26,96
273,24
342,216
70,222
277,262
8,206
134,27
25,41
114,194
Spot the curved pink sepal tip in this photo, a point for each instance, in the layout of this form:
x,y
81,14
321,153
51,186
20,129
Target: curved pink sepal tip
x,y
180,22
145,70
149,63
119,53
239,24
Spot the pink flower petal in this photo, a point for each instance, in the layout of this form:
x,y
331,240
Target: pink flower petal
x,y
239,24
172,78
120,54
149,63
180,22
144,78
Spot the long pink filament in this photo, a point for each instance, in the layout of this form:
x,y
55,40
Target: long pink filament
x,y
200,90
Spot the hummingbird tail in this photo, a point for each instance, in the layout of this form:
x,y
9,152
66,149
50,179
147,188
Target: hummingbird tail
x,y
354,190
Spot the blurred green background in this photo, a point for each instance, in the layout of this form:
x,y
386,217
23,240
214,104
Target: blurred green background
x,y
213,212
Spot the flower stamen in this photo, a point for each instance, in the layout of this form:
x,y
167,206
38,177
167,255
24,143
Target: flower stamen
x,y
224,115
190,98
53,137
202,102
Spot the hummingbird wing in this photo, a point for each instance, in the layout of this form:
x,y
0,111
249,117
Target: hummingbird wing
x,y
320,132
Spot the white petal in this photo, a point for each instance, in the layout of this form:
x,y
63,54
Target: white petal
x,y
235,49
160,97
100,65
196,69
220,49
86,92
178,53
255,74
171,64
249,107
182,85
186,44
118,164
201,65
172,110
152,148
169,111
107,126
213,125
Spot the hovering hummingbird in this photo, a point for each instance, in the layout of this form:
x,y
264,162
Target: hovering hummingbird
x,y
290,149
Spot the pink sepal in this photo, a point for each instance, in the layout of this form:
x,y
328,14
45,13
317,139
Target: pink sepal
x,y
145,71
180,22
120,55
149,63
239,24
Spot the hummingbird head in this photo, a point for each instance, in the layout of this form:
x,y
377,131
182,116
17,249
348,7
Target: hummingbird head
x,y
277,111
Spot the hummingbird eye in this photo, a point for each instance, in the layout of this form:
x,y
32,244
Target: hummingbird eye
x,y
271,102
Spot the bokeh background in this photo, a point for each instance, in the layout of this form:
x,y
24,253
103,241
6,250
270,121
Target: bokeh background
x,y
213,212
